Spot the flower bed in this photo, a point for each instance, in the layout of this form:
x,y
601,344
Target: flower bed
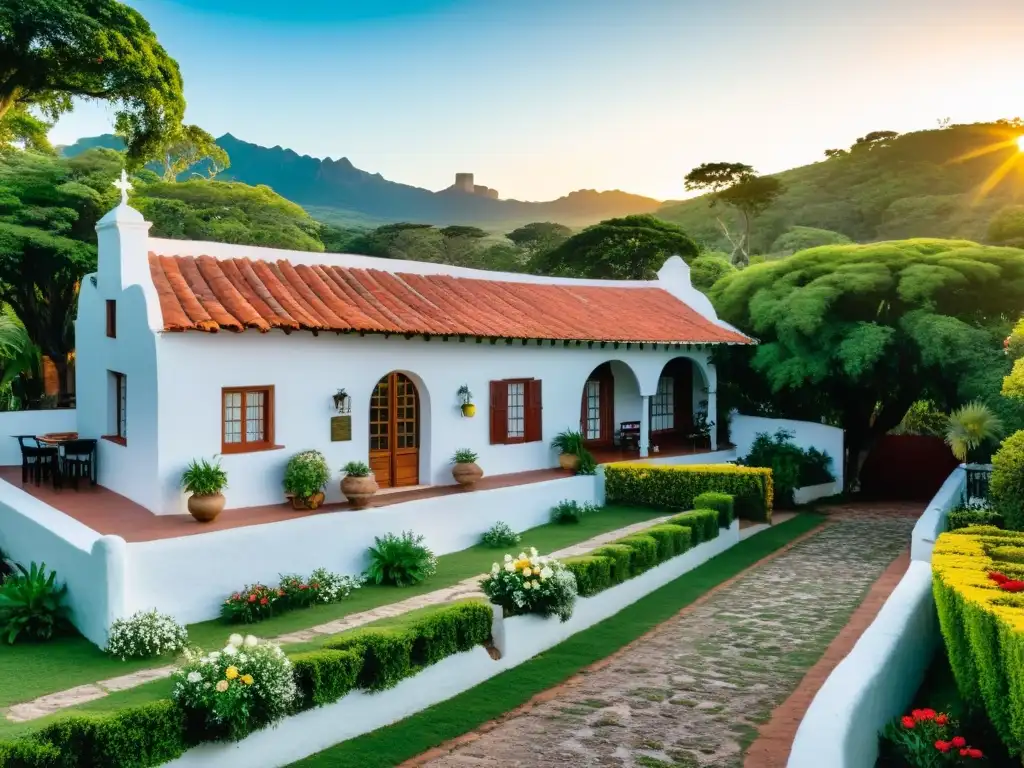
x,y
978,573
256,602
675,486
228,694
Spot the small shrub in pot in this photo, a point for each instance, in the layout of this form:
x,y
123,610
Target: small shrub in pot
x,y
305,477
466,471
358,485
205,480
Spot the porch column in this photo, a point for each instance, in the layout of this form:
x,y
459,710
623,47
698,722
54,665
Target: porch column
x,y
713,416
645,424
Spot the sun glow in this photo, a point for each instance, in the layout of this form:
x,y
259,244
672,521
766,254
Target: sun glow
x,y
1020,143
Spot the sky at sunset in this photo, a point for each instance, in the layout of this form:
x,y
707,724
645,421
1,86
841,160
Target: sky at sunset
x,y
541,97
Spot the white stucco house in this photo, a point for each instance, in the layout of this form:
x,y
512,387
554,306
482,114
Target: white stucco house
x,y
196,349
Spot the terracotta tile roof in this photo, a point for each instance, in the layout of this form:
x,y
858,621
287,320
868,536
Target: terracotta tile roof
x,y
206,294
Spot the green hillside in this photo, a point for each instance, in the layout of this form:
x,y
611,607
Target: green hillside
x,y
924,184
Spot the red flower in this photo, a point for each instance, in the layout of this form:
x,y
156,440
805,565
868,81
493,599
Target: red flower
x,y
927,714
997,577
942,746
1012,586
303,586
908,721
974,753
252,598
958,741
263,601
941,719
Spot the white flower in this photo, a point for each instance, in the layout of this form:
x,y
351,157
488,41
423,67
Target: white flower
x,y
526,585
214,655
495,569
522,556
250,641
535,583
508,558
510,567
527,573
230,650
194,677
546,572
235,640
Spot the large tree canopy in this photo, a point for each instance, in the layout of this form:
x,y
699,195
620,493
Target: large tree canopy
x,y
855,334
630,248
54,50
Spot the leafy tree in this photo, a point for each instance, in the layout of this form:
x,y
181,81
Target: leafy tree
x,y
540,236
874,140
1007,227
471,233
801,238
736,185
20,126
187,146
830,153
630,248
53,50
708,268
227,212
856,334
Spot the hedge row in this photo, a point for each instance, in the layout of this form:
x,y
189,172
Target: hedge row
x,y
678,486
625,558
153,734
983,624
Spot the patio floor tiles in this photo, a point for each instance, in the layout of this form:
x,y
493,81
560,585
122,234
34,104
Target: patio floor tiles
x,y
107,512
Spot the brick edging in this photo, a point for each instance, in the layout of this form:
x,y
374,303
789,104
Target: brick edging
x,y
775,738
578,678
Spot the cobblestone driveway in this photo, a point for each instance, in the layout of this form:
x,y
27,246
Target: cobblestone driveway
x,y
693,692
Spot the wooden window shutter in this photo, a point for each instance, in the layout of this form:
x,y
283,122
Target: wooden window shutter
x,y
534,407
499,412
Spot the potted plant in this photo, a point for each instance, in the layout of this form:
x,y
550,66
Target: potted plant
x,y
468,409
569,445
305,478
466,471
205,480
358,484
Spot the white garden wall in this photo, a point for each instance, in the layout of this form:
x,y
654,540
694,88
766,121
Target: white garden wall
x,y
518,638
91,565
31,423
188,577
806,434
933,521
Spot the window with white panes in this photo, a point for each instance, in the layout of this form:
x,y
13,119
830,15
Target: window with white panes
x,y
248,419
663,412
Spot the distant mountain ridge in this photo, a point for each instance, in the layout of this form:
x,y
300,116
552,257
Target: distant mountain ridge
x,y
336,189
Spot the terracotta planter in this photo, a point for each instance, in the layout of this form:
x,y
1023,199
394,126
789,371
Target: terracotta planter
x,y
569,461
467,473
307,502
358,490
468,410
206,508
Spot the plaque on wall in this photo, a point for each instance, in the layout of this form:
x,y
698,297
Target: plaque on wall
x,y
341,428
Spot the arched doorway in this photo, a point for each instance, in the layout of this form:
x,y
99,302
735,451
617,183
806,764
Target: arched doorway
x,y
672,404
610,406
395,431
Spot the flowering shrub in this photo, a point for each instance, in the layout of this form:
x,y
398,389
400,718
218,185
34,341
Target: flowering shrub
x,y
297,593
145,634
331,587
400,560
500,535
252,604
531,584
230,693
926,738
571,511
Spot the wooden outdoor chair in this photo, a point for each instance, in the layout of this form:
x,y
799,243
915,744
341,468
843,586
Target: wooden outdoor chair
x,y
629,435
78,461
36,460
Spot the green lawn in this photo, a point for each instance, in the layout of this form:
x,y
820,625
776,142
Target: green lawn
x,y
32,670
396,743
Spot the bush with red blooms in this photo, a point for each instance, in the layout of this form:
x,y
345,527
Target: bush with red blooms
x,y
928,739
251,604
1005,583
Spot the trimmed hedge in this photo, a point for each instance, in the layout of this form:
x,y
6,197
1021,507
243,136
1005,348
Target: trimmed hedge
x,y
593,573
625,558
722,503
392,654
703,523
962,518
982,624
676,486
155,733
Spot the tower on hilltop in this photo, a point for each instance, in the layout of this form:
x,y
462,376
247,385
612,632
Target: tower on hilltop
x,y
464,182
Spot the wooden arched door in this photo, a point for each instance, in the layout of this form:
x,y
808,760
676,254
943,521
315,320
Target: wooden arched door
x,y
395,432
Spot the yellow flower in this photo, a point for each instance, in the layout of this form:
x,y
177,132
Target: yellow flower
x,y
222,685
231,673
247,679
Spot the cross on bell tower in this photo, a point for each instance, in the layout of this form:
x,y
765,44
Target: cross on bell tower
x,y
124,185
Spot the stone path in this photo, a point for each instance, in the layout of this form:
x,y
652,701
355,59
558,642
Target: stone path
x,y
54,702
693,692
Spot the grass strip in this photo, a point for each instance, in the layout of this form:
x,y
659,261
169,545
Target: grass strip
x,y
30,670
401,741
